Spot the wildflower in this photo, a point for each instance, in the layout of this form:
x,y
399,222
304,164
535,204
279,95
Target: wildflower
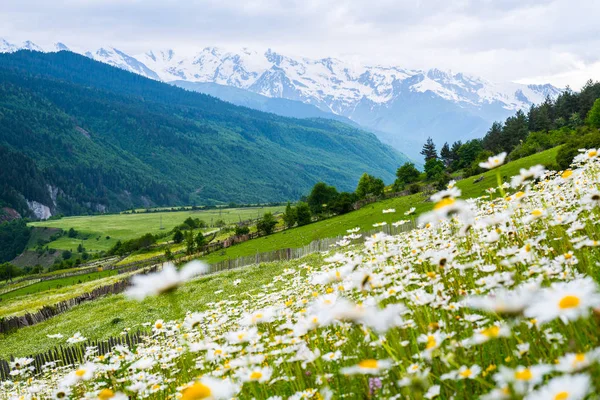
x,y
389,211
76,338
56,336
566,387
565,300
164,281
489,333
209,388
255,374
592,199
432,392
106,394
494,161
521,378
573,362
410,211
526,175
465,372
505,301
83,373
367,367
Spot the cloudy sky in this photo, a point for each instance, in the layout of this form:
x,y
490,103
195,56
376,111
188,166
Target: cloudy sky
x,y
518,40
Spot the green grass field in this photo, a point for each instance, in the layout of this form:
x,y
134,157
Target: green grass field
x,y
108,316
56,284
372,213
128,226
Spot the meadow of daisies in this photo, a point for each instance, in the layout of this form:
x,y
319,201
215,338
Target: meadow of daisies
x,y
492,298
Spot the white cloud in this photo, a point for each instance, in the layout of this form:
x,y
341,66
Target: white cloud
x,y
525,40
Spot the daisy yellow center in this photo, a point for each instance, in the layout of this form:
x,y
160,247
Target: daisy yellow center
x,y
80,372
569,301
519,194
579,357
196,391
567,174
256,375
444,203
491,332
370,363
466,373
106,394
218,351
431,343
561,396
592,153
524,375
158,325
536,213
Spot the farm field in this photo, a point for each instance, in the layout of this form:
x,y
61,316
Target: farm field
x,y
495,298
55,284
128,226
372,213
49,295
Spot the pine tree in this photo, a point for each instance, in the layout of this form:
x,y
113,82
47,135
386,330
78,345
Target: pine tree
x,y
429,150
446,154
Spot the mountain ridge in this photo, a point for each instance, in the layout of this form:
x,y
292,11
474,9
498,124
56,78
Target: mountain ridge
x,y
99,138
372,96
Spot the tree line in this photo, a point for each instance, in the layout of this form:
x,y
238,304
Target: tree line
x,y
571,120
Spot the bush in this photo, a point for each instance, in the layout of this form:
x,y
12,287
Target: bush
x,y
303,216
267,224
241,230
588,139
414,188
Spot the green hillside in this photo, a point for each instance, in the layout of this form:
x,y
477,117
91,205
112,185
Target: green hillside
x,y
372,213
106,139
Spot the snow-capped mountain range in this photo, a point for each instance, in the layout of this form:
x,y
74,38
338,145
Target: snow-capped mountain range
x,y
403,106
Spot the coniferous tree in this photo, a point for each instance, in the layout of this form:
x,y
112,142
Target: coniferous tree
x,y
429,151
446,154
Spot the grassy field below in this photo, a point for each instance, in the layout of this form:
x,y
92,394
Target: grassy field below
x,y
108,316
56,284
103,231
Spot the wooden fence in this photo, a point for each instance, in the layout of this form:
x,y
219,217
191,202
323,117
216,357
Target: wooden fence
x,y
12,323
74,354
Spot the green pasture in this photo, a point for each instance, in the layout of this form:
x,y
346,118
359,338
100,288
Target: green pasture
x,y
109,315
56,284
95,229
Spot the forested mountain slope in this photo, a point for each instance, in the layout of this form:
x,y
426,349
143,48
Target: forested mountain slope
x,y
78,135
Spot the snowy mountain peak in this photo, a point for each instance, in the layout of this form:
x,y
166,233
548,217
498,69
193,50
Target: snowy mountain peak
x,y
6,47
29,45
61,47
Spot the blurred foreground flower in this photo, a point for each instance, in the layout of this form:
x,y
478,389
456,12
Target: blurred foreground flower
x,y
164,281
494,161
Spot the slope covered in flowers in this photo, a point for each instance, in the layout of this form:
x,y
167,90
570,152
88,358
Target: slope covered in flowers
x,y
492,297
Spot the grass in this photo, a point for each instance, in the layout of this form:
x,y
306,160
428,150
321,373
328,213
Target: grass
x,y
372,213
108,316
56,284
19,305
97,228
